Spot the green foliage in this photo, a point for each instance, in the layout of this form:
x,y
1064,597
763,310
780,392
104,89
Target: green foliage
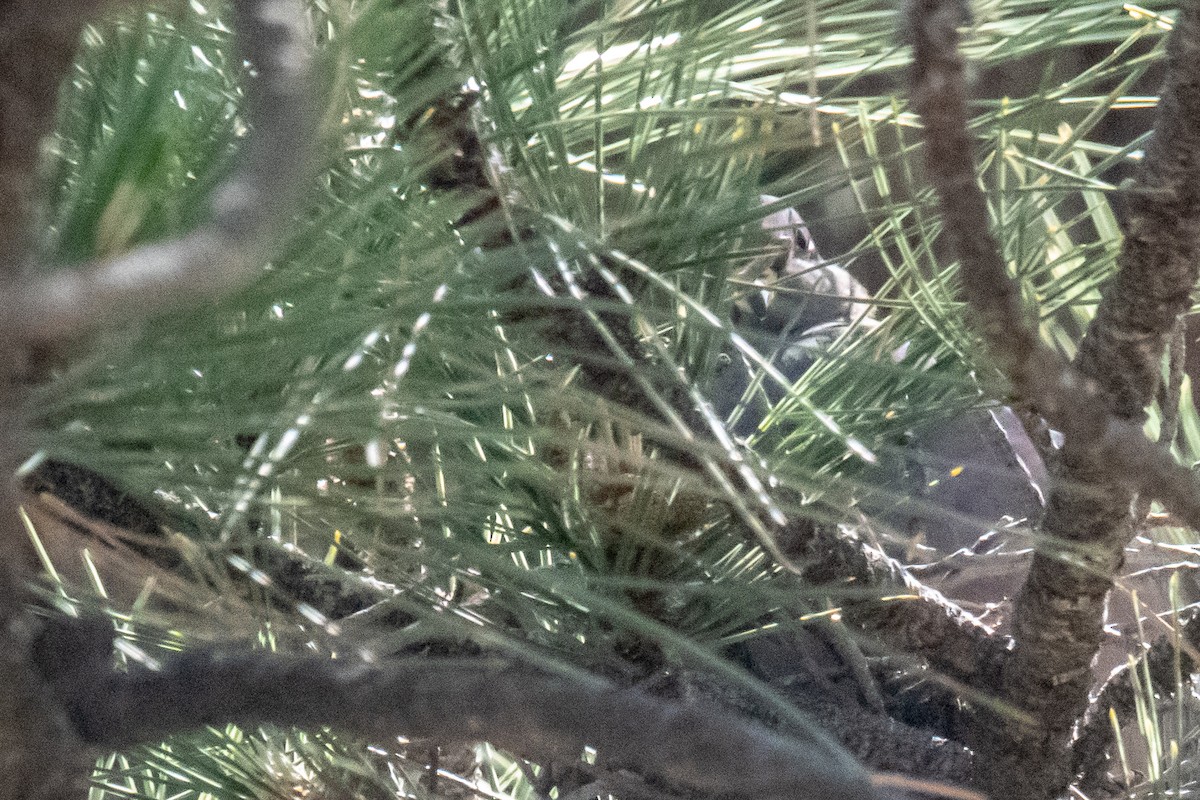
x,y
432,397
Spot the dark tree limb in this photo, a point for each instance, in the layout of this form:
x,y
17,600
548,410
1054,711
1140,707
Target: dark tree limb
x,y
1059,615
916,620
1072,400
1098,405
448,700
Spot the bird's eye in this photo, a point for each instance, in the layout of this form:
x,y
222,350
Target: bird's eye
x,y
804,240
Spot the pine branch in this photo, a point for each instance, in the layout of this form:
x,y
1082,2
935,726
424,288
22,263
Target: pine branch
x,y
443,699
248,209
1058,617
44,758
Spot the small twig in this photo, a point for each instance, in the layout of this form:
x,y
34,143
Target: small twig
x,y
248,208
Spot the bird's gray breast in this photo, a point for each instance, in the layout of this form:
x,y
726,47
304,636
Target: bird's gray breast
x,y
952,480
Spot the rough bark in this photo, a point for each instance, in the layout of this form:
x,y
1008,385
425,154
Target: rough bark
x,y
1098,404
532,713
74,700
1059,615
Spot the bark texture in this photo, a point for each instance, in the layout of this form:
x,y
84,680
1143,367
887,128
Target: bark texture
x,y
1098,402
448,700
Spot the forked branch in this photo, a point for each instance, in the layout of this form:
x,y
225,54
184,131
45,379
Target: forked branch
x,y
1098,402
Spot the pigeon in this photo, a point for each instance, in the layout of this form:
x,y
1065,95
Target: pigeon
x,y
799,289
801,304
951,480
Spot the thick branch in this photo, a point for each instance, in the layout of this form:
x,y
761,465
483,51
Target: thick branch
x,y
1072,401
920,622
248,209
1059,615
1057,624
447,700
